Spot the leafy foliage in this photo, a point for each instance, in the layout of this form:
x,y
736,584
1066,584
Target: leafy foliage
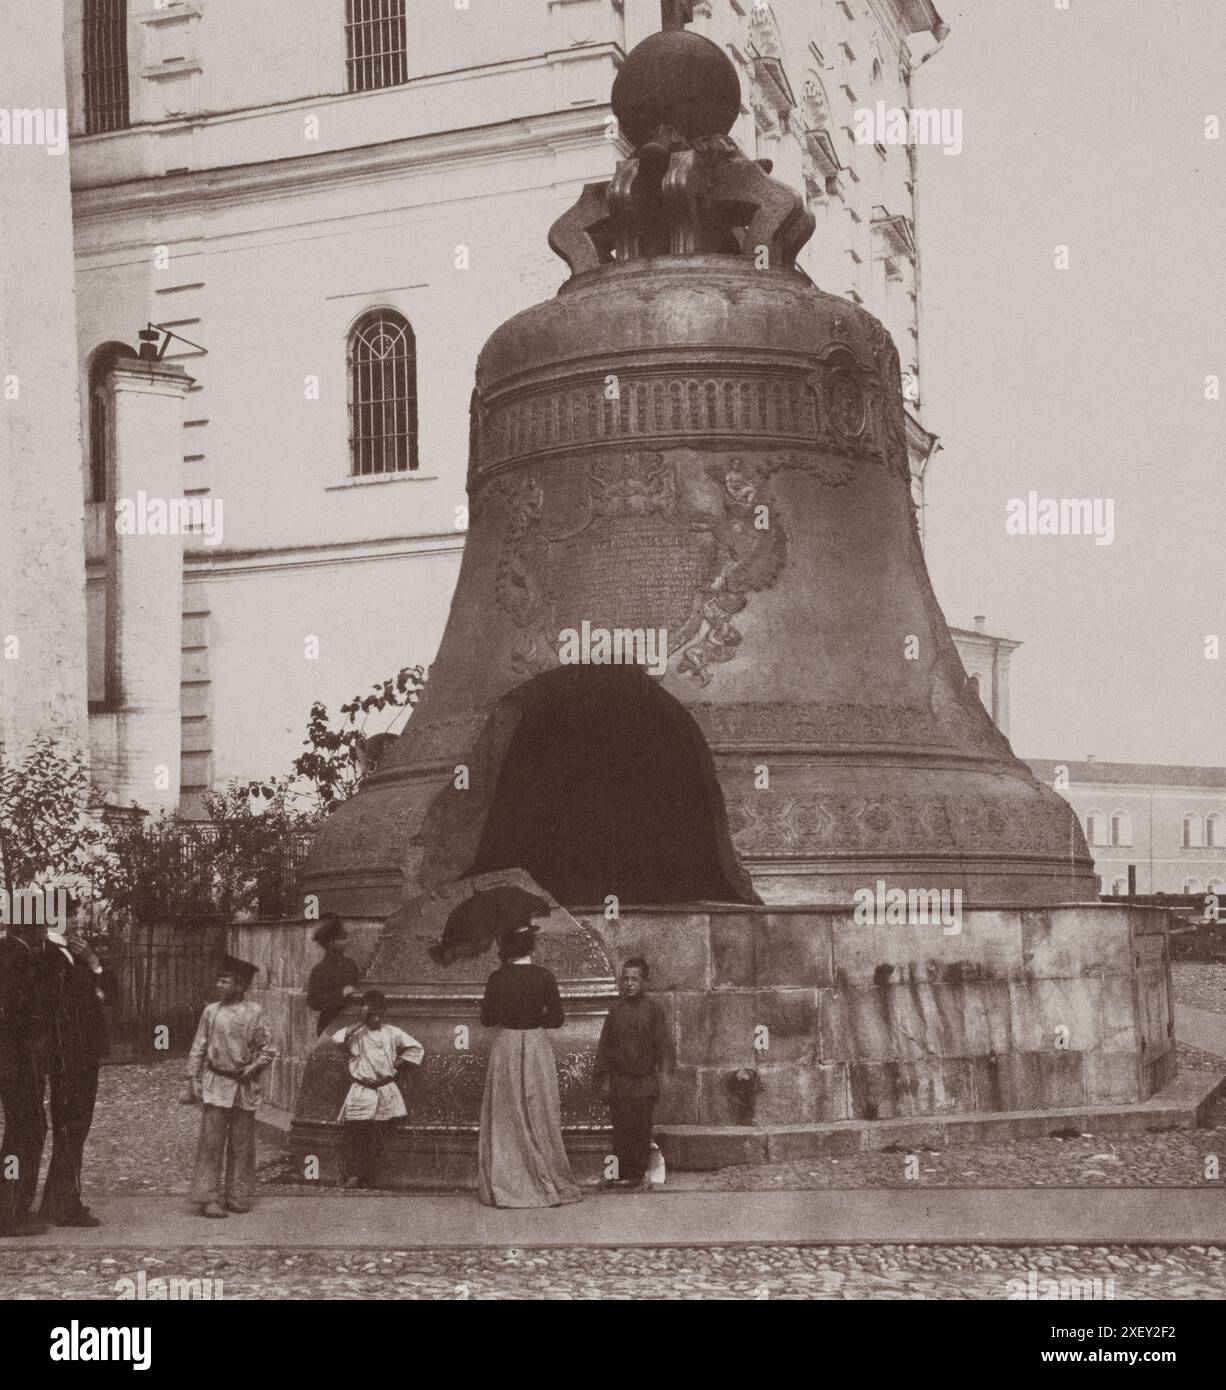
x,y
336,759
45,831
237,862
240,860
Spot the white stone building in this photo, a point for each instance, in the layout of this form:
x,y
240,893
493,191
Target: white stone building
x,y
1162,826
332,204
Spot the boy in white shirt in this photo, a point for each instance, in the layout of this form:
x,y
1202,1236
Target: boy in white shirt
x,y
376,1049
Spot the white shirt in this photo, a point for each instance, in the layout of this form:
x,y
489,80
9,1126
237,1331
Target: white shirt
x,y
374,1054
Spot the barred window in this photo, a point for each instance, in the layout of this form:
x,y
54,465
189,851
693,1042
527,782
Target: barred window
x,y
382,394
1121,828
1193,833
106,65
374,44
1096,828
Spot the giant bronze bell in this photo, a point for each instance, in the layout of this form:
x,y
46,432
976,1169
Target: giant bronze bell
x,y
692,436
692,441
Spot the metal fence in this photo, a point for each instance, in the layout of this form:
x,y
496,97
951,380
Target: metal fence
x,y
161,959
157,982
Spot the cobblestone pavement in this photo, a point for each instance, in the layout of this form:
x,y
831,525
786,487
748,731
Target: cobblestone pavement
x,y
142,1140
1200,984
979,1272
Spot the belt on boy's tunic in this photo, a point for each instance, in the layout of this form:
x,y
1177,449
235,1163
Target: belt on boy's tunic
x,y
224,1071
374,1085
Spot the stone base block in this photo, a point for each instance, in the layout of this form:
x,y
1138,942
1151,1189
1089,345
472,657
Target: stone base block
x,y
1180,1105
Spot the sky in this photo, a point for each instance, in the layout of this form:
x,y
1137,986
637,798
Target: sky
x,y
1082,128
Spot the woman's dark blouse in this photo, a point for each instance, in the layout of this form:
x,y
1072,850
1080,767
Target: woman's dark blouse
x,y
521,996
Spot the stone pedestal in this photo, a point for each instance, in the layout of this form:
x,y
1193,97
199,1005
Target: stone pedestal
x,y
1025,1010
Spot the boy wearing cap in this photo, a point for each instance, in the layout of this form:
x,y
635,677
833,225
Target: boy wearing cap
x,y
376,1049
333,979
633,1051
224,1070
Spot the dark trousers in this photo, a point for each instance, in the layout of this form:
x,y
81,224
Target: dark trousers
x,y
25,1130
73,1093
225,1158
362,1144
632,1135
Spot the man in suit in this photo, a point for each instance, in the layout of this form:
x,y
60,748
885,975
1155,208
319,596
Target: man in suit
x,y
76,1025
22,1078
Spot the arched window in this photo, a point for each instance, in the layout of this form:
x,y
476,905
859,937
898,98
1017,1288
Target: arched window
x,y
382,394
1192,831
1121,828
1215,830
1191,885
1217,886
101,434
1096,828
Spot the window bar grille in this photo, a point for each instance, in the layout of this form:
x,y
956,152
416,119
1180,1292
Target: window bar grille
x,y
375,32
106,65
383,401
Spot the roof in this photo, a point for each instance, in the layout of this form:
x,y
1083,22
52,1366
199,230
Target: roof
x,y
1121,774
984,636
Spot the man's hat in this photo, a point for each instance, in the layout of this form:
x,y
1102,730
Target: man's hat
x,y
241,970
328,931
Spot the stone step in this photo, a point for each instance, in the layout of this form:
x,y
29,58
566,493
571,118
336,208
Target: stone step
x,y
1180,1104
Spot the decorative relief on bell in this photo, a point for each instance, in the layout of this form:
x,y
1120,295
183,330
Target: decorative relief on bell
x,y
640,545
766,823
841,407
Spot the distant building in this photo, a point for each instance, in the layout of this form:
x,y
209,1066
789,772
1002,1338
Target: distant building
x,y
1168,822
986,660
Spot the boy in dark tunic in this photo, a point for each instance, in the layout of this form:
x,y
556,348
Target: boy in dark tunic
x,y
633,1050
329,981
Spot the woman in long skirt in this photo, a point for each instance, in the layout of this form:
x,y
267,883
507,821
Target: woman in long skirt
x,y
522,1159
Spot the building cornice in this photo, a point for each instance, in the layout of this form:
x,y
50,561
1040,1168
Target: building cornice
x,y
970,637
524,137
202,563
